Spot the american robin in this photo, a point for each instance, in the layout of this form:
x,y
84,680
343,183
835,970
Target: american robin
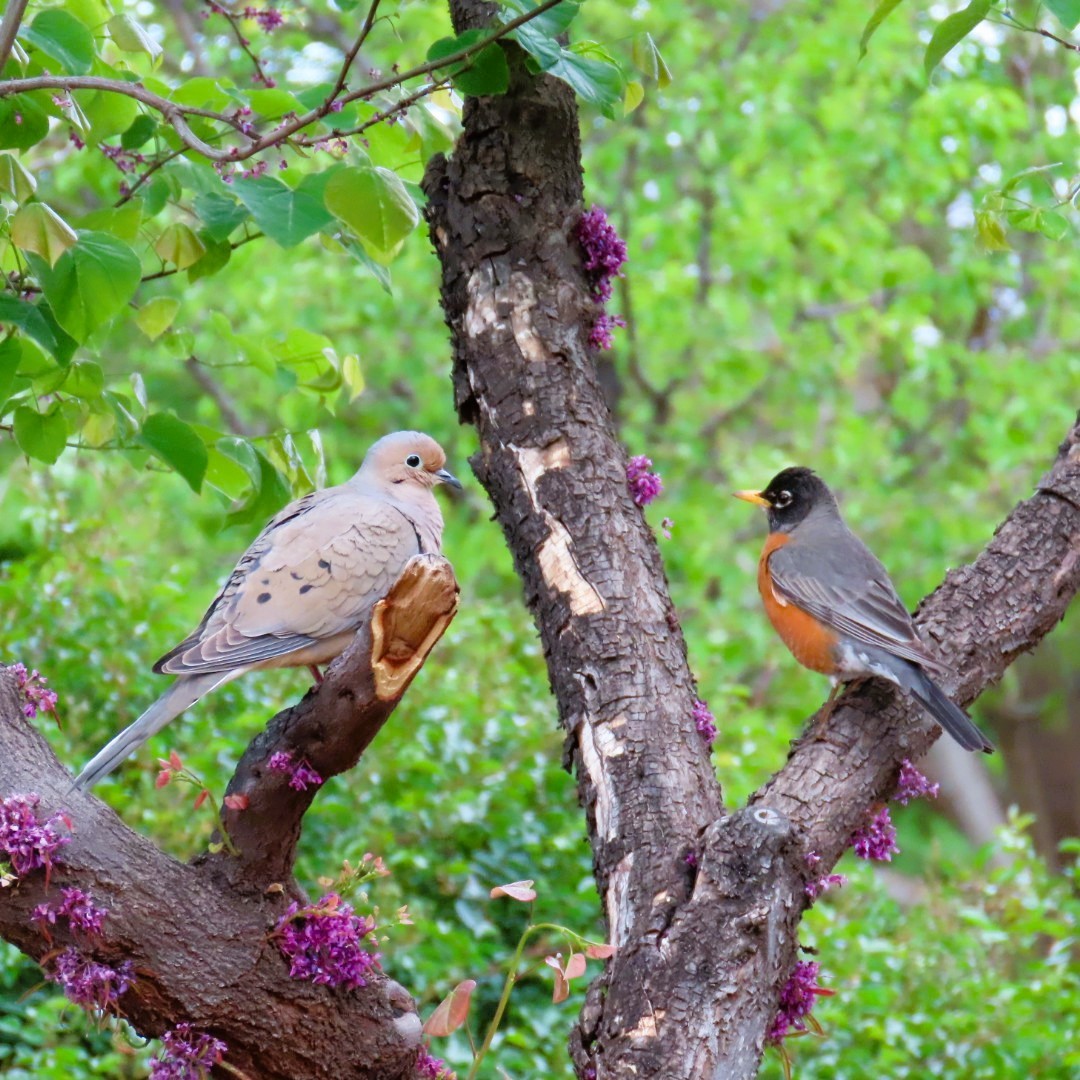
x,y
834,606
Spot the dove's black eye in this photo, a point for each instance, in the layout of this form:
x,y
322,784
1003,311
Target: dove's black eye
x,y
782,499
413,461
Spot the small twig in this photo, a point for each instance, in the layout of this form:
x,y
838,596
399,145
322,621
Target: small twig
x,y
176,270
234,24
350,56
10,27
209,384
143,177
176,114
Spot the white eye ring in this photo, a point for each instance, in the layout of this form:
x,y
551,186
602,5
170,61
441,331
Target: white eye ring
x,y
413,461
783,499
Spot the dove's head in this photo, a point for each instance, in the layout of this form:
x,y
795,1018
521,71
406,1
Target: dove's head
x,y
405,462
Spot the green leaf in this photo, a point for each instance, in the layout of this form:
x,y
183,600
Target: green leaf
x,y
599,83
15,180
139,132
219,214
120,221
552,23
216,258
352,376
1052,225
177,445
484,73
990,231
23,122
41,436
90,282
952,30
85,380
37,322
10,358
64,38
179,245
285,215
1017,179
1067,12
38,228
156,316
634,96
131,37
269,493
884,9
99,427
375,205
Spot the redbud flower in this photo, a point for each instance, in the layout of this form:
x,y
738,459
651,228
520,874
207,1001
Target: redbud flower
x,y
187,1055
644,484
877,840
90,984
911,784
432,1068
797,1000
326,942
83,916
704,721
28,843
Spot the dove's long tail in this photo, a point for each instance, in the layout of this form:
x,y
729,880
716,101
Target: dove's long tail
x,y
182,694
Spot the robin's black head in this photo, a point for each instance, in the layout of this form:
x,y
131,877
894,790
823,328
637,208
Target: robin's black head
x,y
790,497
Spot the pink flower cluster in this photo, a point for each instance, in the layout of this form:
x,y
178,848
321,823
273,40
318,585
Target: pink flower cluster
x,y
26,843
644,484
797,1001
605,253
90,984
911,784
432,1068
301,774
326,942
187,1055
704,721
269,19
876,840
38,697
77,909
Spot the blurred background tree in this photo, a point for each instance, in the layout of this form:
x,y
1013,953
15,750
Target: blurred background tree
x,y
831,263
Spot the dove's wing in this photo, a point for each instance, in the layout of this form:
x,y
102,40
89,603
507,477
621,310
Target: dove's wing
x,y
314,573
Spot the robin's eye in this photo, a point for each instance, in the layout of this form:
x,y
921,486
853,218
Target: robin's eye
x,y
782,500
413,461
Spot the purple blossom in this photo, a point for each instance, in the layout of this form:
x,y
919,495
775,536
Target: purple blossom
x,y
127,161
82,914
88,983
704,721
604,251
301,774
432,1068
39,698
876,841
187,1055
797,1000
269,19
73,138
666,526
600,336
644,484
337,106
823,884
691,859
325,942
28,843
913,785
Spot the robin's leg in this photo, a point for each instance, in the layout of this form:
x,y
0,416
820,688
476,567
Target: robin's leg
x,y
818,730
316,674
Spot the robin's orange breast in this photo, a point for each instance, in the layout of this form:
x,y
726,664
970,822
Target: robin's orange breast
x,y
811,643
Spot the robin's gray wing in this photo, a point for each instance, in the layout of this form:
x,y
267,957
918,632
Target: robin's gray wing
x,y
313,573
830,573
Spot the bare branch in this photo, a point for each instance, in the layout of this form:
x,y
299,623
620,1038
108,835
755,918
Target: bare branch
x,y
9,27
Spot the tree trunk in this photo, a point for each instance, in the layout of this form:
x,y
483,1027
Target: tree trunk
x,y
702,953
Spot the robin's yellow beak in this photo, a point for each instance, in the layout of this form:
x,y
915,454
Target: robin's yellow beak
x,y
752,496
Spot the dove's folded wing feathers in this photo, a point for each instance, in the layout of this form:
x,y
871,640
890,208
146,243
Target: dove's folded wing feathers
x,y
310,578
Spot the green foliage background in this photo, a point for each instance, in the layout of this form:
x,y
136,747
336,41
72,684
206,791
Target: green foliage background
x,y
827,267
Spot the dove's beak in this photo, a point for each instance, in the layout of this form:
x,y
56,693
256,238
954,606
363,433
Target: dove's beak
x,y
752,496
447,477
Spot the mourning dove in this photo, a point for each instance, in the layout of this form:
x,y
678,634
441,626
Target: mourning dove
x,y
307,583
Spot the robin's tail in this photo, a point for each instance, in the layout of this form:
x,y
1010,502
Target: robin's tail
x,y
948,715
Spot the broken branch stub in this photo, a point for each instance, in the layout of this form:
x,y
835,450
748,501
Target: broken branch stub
x,y
409,620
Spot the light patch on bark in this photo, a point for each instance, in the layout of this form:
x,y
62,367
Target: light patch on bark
x,y
482,313
617,902
522,302
556,556
606,807
607,740
647,1025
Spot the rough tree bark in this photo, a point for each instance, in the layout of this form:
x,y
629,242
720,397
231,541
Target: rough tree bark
x,y
198,934
702,954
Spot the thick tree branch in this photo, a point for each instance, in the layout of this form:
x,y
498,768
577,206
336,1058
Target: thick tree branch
x,y
702,951
198,935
